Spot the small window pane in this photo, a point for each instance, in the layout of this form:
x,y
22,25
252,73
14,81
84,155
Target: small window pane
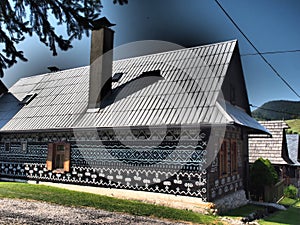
x,y
7,146
24,147
60,148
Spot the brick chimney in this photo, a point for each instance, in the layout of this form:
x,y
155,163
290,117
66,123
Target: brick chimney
x,y
101,58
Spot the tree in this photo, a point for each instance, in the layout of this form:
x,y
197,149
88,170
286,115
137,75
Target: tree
x,y
19,18
262,173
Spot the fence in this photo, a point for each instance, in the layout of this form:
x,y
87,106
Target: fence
x,y
274,193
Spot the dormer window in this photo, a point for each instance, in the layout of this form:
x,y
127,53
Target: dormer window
x,y
28,98
116,77
151,73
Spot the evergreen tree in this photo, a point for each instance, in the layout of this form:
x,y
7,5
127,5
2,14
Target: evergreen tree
x,y
19,18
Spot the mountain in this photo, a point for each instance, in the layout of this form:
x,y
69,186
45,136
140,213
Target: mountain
x,y
278,110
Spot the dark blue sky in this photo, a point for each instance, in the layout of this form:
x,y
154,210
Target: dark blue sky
x,y
272,25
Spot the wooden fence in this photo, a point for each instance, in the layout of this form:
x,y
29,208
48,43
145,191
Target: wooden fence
x,y
274,193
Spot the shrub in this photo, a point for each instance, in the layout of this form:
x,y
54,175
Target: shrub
x,y
291,191
262,173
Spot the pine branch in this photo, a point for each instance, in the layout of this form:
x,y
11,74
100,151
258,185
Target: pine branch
x,y
15,23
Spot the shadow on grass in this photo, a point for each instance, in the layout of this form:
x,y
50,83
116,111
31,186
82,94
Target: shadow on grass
x,y
291,216
242,211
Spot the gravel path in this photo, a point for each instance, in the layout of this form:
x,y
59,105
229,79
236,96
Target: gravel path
x,y
14,211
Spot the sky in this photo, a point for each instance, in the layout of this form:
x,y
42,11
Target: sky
x,y
271,25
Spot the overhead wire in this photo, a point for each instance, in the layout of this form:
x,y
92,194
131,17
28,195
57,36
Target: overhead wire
x,y
272,52
258,52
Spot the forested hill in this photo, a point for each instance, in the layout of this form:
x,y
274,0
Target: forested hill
x,y
278,110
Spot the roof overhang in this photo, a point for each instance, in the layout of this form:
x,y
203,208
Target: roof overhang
x,y
238,116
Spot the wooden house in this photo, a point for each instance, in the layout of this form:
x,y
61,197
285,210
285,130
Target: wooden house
x,y
175,122
273,148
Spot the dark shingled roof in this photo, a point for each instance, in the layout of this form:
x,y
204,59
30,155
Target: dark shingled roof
x,y
273,148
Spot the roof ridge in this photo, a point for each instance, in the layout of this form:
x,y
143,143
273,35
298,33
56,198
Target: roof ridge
x,y
130,58
177,50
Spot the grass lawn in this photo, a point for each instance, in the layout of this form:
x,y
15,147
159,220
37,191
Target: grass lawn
x,y
242,211
294,125
287,201
74,198
291,216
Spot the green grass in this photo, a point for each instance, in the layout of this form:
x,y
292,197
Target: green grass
x,y
289,217
294,126
74,198
287,202
242,211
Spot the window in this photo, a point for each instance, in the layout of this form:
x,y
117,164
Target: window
x,y
116,77
7,146
24,146
58,158
223,159
234,157
28,98
151,73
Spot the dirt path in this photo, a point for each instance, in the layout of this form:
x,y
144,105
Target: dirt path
x,y
14,211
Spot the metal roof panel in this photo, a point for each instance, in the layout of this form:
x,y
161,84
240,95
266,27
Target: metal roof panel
x,y
190,81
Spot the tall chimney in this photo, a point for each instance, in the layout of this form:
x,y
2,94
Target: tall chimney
x,y
100,62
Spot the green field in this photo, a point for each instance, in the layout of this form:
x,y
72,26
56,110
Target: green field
x,y
289,217
294,126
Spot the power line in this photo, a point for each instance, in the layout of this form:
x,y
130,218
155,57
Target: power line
x,y
264,59
273,110
271,52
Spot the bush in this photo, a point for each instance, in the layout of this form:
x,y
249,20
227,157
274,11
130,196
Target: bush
x,y
291,191
262,173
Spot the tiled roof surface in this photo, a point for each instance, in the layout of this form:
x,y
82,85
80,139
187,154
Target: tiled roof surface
x,y
61,98
186,92
293,144
269,148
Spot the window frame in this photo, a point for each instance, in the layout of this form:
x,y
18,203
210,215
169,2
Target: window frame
x,y
234,156
51,163
223,159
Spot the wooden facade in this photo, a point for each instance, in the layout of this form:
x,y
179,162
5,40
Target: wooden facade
x,y
178,166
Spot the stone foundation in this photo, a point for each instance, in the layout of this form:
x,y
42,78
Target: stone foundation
x,y
231,201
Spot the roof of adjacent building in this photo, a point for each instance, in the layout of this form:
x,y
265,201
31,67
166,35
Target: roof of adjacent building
x,y
187,91
273,148
293,144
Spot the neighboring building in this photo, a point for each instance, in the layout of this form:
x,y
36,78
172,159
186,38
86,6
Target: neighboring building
x,y
273,148
156,125
293,145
